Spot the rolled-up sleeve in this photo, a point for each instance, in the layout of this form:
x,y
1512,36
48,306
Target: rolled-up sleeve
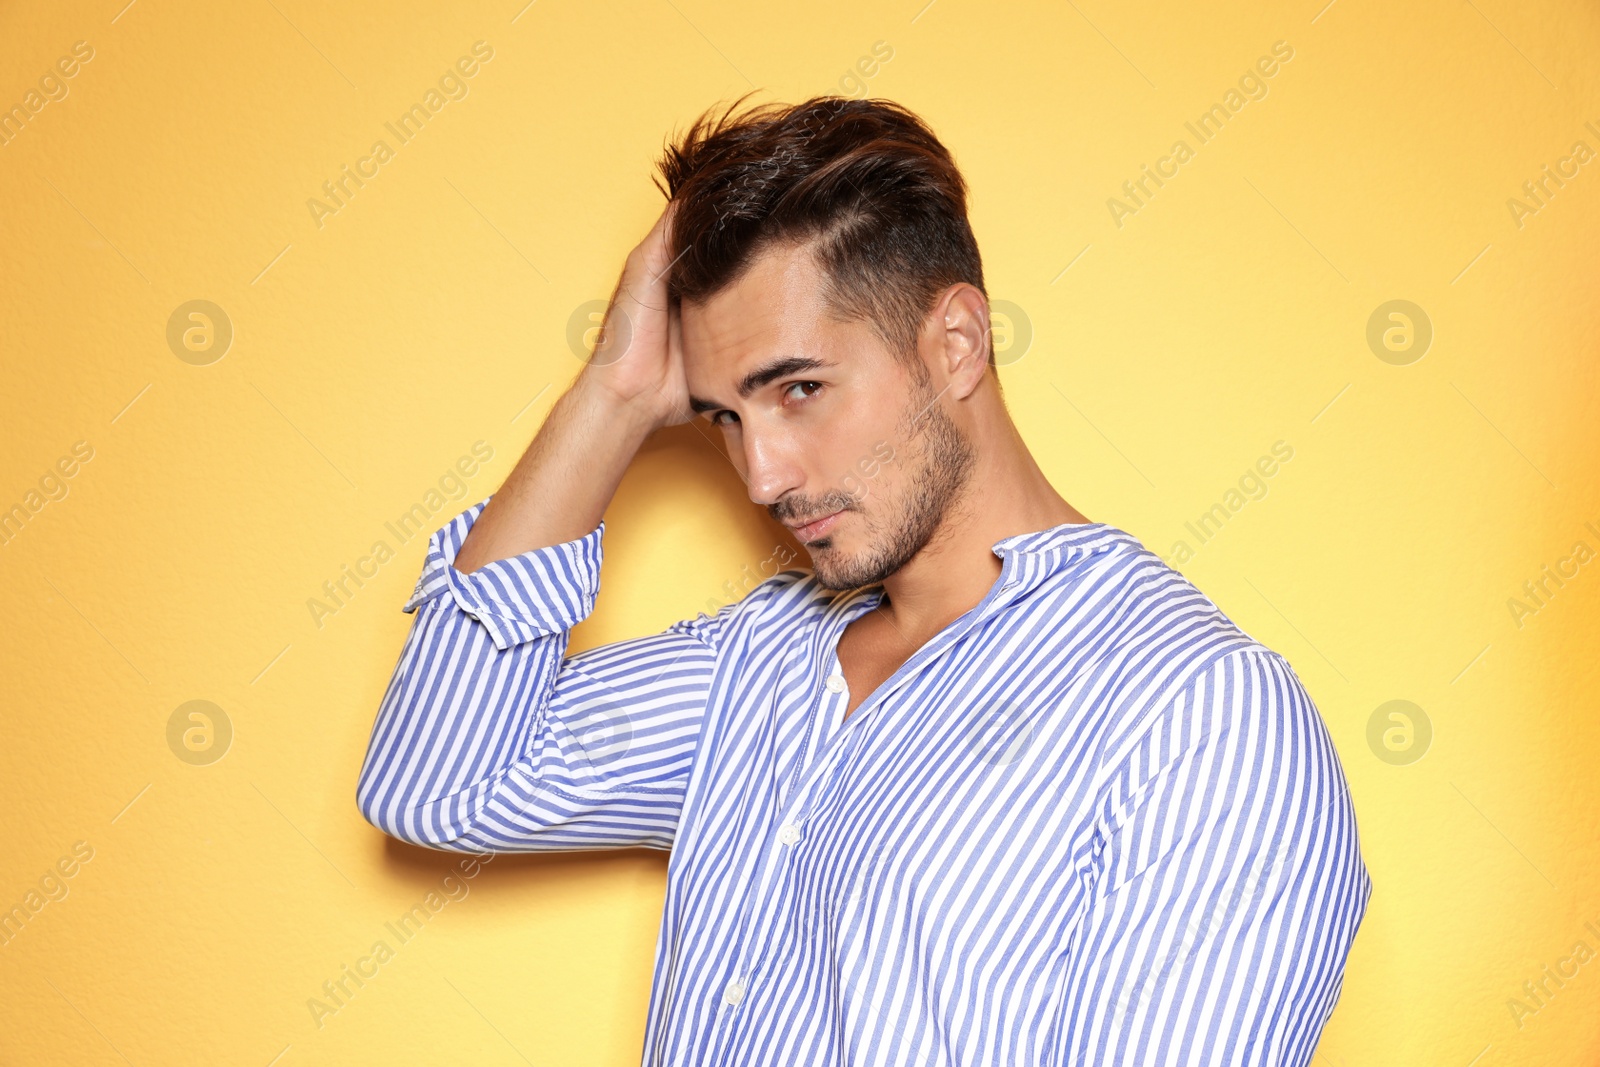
x,y
1228,882
490,738
536,594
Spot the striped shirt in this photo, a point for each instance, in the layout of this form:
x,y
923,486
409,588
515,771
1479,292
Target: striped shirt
x,y
1090,822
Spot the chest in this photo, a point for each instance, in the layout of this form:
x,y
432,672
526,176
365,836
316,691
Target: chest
x,y
870,652
949,822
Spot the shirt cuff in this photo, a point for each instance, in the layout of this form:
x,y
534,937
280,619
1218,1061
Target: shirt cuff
x,y
542,591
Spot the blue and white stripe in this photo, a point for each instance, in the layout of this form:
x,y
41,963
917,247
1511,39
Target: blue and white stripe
x,y
1090,822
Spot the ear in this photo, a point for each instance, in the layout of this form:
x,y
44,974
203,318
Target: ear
x,y
961,339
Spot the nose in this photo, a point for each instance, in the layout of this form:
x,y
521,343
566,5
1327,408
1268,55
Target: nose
x,y
770,469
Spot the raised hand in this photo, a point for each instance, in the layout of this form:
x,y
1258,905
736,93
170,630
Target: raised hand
x,y
638,358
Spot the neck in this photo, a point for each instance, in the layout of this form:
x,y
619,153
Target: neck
x,y
1006,494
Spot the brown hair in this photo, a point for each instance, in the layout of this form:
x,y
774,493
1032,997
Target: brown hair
x,y
865,182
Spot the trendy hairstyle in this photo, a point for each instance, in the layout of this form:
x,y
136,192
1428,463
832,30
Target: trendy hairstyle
x,y
864,183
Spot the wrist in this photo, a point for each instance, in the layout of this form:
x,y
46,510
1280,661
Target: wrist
x,y
635,416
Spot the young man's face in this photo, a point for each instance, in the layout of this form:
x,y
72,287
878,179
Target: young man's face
x,y
832,422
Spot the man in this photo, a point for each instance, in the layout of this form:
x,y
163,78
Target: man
x,y
989,784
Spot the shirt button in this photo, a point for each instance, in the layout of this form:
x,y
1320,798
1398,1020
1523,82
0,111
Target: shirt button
x,y
789,834
734,993
836,683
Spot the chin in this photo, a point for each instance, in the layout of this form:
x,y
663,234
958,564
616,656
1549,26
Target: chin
x,y
833,568
824,559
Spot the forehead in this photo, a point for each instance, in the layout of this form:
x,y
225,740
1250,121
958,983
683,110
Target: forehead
x,y
774,310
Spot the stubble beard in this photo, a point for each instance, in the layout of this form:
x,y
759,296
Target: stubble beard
x,y
942,464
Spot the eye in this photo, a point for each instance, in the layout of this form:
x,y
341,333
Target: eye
x,y
810,388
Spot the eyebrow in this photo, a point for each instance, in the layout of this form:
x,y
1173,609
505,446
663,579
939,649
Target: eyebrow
x,y
762,375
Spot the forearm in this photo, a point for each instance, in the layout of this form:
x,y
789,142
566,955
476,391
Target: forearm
x,y
484,737
489,738
457,714
561,486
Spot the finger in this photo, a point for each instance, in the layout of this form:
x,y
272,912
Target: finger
x,y
669,217
658,244
675,335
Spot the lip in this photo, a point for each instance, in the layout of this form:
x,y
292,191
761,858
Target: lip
x,y
813,530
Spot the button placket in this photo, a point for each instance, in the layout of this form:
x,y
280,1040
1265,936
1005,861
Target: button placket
x,y
771,887
812,778
809,777
824,719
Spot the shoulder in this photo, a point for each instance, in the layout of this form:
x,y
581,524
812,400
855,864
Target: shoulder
x,y
1156,631
1172,667
1236,723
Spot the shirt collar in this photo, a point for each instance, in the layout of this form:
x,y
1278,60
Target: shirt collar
x,y
1061,543
1027,560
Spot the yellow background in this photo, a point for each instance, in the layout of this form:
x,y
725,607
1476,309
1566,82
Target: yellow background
x,y
432,311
